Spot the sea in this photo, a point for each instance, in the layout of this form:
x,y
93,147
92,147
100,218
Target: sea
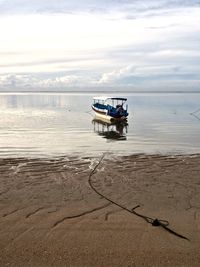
x,y
49,125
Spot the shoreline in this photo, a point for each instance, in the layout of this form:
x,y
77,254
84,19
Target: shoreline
x,y
112,156
50,216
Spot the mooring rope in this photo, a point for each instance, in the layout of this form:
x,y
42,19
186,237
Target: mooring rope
x,y
154,222
195,114
196,111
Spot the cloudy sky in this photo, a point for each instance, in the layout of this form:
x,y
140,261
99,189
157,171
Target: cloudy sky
x,y
130,44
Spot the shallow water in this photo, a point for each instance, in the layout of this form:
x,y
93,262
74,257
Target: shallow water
x,y
54,125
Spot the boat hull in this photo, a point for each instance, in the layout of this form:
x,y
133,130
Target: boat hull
x,y
103,116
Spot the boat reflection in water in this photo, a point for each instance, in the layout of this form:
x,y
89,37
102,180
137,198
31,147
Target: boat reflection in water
x,y
111,130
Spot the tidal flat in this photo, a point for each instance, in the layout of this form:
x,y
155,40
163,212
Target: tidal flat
x,y
50,216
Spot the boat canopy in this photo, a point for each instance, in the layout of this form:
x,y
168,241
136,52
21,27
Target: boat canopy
x,y
104,98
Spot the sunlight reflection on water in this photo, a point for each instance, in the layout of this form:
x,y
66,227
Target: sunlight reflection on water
x,y
43,125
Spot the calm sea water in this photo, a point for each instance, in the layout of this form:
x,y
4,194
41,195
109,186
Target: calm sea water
x,y
49,125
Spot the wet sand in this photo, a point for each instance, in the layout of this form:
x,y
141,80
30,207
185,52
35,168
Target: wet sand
x,y
50,216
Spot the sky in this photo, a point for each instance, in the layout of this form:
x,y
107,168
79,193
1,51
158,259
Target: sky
x,y
87,44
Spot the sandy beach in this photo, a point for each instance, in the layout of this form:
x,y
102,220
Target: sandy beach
x,y
50,216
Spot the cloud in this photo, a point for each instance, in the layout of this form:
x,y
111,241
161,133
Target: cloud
x,y
37,82
13,81
130,8
163,66
99,43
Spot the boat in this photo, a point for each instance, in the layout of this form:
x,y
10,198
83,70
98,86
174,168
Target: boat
x,y
110,108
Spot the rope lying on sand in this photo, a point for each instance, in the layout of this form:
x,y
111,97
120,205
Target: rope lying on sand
x,y
154,222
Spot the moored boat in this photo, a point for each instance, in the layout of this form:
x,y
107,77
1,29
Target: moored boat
x,y
110,108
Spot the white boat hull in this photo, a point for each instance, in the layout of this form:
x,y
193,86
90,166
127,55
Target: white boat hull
x,y
108,118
